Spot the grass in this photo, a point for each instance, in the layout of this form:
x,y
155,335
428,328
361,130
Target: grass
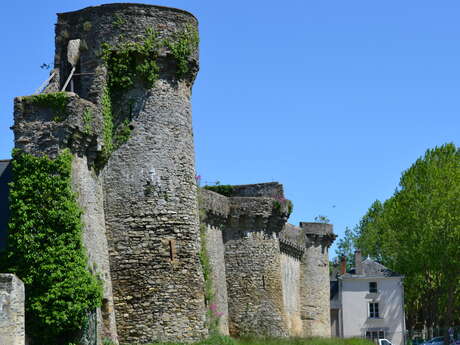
x,y
223,340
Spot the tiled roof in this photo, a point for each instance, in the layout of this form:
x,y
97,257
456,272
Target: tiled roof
x,y
371,268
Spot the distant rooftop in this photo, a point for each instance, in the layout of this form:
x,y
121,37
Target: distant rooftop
x,y
371,268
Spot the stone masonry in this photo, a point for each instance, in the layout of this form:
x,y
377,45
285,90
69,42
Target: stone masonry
x,y
11,310
141,204
274,270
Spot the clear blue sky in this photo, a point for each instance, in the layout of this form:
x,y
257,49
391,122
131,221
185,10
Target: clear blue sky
x,y
334,99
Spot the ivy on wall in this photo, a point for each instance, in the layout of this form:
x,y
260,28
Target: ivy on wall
x,y
56,101
130,61
45,249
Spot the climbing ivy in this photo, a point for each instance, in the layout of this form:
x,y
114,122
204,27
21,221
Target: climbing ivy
x,y
88,119
45,248
106,105
129,61
132,60
57,101
182,47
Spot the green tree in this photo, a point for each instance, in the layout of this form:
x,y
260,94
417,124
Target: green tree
x,y
346,246
417,231
368,233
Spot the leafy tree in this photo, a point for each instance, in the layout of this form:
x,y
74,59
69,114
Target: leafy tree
x,y
346,246
417,231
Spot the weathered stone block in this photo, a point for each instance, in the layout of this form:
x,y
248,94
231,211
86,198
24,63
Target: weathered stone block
x,y
12,319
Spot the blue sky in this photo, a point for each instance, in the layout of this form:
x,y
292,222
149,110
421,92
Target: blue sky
x,y
334,99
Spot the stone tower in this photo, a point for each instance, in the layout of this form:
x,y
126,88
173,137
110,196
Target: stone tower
x,y
127,70
314,276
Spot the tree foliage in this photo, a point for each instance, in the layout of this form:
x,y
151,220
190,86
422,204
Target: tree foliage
x,y
416,232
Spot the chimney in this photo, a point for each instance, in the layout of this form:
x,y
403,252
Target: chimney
x,y
343,264
358,263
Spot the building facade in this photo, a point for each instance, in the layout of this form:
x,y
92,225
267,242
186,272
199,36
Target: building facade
x,y
368,302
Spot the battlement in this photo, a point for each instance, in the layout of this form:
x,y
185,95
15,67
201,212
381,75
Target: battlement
x,y
267,189
255,207
315,228
318,233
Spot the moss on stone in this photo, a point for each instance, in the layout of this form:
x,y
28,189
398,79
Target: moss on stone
x,y
122,134
225,189
182,47
107,117
88,119
56,101
129,61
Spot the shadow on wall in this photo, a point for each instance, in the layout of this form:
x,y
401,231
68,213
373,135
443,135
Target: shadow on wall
x,y
5,178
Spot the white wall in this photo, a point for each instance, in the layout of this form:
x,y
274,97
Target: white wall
x,y
355,300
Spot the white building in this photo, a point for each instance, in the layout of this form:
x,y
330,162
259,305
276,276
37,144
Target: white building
x,y
368,302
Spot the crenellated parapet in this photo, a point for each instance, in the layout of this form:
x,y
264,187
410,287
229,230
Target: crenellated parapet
x,y
318,234
214,206
291,248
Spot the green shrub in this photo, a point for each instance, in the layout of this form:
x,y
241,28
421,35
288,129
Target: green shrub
x,y
45,248
182,47
224,189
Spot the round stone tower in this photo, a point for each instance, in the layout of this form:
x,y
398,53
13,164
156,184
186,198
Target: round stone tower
x,y
314,275
137,64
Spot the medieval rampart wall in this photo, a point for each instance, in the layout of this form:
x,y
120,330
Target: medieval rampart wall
x,y
140,200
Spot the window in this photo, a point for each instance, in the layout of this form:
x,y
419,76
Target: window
x,y
375,335
374,310
373,287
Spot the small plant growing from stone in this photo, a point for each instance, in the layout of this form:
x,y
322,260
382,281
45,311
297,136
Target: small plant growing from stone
x,y
88,121
322,219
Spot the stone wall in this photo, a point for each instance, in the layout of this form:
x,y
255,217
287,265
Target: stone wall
x,y
253,267
277,274
270,189
215,249
315,285
290,270
88,188
12,314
